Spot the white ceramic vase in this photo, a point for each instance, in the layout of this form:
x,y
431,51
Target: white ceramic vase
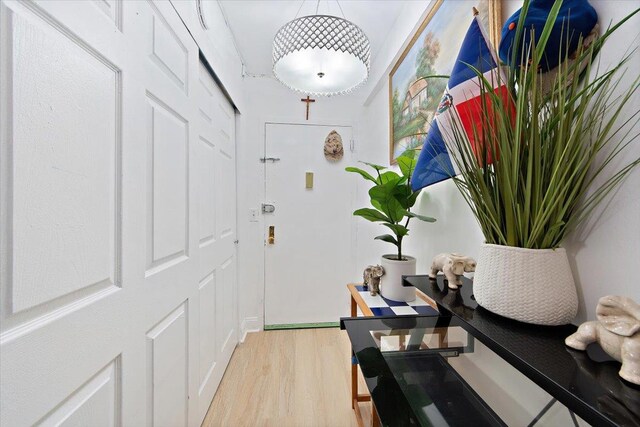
x,y
530,285
391,283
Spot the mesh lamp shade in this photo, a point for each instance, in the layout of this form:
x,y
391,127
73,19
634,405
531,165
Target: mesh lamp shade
x,y
321,55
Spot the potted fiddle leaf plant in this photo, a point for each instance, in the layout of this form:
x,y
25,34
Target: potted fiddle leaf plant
x,y
391,200
550,154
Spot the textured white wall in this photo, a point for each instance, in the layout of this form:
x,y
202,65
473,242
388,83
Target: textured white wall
x,y
602,254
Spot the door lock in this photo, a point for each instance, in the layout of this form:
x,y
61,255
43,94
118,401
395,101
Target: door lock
x,y
272,235
268,208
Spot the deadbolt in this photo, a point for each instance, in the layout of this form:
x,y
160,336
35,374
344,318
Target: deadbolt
x,y
272,235
267,208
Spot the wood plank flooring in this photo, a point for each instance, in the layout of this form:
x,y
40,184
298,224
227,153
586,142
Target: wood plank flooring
x,y
294,378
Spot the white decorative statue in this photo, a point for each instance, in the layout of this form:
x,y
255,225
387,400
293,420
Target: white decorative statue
x,y
453,266
617,330
371,277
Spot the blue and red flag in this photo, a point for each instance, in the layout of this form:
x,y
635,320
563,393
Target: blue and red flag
x,y
465,95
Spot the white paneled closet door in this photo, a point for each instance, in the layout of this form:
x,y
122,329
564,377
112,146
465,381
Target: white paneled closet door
x,y
117,267
216,201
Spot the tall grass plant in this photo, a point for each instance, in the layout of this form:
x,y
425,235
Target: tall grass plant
x,y
543,159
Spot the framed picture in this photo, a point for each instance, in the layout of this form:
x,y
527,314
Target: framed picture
x,y
433,49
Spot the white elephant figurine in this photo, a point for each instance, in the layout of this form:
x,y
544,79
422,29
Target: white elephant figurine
x,y
453,266
617,332
371,277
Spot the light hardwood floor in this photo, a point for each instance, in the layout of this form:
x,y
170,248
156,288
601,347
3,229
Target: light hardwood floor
x,y
294,378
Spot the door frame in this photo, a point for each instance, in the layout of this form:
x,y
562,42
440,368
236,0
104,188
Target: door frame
x,y
264,122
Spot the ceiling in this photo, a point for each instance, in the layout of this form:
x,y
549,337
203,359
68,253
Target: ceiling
x,y
254,23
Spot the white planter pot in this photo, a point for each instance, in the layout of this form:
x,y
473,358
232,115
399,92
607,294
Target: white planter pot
x,y
530,285
391,283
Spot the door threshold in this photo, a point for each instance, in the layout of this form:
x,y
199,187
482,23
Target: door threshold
x,y
301,326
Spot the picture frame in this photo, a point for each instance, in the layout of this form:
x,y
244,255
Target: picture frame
x,y
432,50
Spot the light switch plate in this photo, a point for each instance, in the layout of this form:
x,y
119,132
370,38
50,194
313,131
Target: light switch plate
x,y
308,179
253,215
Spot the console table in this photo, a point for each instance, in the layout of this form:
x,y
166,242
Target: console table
x,y
416,379
378,306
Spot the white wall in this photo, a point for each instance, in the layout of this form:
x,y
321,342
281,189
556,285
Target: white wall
x,y
600,254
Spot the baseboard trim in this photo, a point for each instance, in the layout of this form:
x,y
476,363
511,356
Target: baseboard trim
x,y
249,324
301,326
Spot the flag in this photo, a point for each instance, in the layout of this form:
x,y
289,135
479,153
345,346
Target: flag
x,y
464,95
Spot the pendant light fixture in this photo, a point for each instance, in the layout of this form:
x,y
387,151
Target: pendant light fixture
x,y
321,55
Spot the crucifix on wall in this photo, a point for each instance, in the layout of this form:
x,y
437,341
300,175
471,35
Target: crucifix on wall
x,y
308,100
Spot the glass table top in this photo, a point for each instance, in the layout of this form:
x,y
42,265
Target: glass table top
x,y
586,381
431,371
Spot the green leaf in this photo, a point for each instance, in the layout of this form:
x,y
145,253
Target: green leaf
x,y
407,165
372,215
362,173
410,153
420,217
387,238
403,195
382,198
389,176
399,230
376,167
550,23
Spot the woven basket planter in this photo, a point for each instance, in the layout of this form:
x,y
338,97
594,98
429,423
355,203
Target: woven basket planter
x,y
530,285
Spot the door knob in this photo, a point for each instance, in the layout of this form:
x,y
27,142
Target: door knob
x,y
272,235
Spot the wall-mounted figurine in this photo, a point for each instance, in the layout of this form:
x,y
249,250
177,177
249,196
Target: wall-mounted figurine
x,y
371,277
453,266
333,149
617,330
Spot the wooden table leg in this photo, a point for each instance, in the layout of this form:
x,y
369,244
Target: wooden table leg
x,y
375,419
442,337
354,307
354,381
359,419
355,397
354,367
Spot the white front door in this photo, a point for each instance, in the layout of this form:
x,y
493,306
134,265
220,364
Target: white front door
x,y
118,293
309,262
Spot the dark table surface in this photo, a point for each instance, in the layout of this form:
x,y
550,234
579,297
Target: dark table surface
x,y
415,387
403,384
585,382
